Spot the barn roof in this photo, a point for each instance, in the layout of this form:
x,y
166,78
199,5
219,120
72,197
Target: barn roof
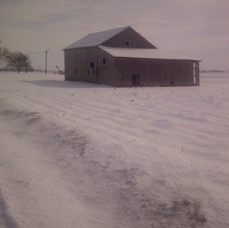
x,y
143,53
95,39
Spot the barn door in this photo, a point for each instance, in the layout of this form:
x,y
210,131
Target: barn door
x,y
135,80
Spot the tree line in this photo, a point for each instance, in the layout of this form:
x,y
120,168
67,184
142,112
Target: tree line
x,y
15,59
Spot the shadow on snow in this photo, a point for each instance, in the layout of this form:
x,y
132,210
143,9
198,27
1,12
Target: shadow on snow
x,y
65,84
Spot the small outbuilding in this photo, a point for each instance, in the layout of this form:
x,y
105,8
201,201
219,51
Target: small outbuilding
x,y
122,57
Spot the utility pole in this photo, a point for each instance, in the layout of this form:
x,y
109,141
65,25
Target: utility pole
x,y
46,60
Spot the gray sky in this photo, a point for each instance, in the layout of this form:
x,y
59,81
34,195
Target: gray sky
x,y
194,28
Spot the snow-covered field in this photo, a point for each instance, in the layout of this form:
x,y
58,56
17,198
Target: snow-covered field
x,y
76,154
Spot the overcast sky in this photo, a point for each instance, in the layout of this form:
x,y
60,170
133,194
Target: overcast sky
x,y
194,28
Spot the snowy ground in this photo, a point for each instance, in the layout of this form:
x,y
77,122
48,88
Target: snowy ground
x,y
82,155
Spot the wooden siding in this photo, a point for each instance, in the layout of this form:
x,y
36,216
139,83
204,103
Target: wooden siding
x,y
81,65
97,66
78,66
135,40
156,72
107,70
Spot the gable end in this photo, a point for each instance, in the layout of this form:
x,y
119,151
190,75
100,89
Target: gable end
x,y
128,38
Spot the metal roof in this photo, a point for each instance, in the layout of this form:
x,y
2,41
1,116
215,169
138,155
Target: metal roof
x,y
95,39
143,53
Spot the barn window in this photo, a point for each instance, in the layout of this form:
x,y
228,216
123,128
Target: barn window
x,y
104,60
127,43
92,64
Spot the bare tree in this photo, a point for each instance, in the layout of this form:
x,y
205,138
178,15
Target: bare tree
x,y
4,52
19,60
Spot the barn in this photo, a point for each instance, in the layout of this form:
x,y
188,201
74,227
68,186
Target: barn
x,y
122,57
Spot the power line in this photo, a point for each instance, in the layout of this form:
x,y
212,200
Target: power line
x,y
46,60
46,57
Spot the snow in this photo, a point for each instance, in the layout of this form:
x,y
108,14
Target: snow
x,y
143,53
95,39
99,156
